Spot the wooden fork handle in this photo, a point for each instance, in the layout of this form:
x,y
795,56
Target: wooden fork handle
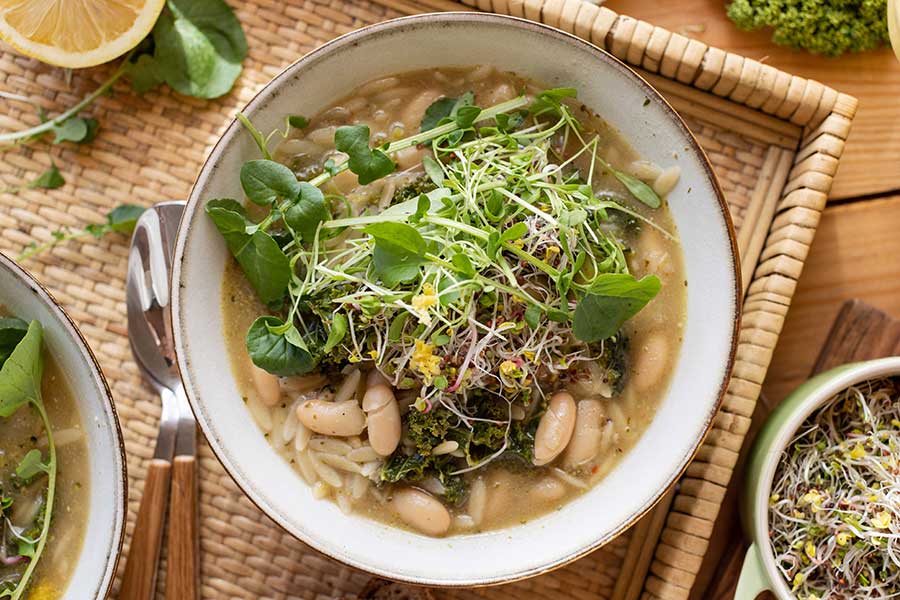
x,y
139,580
182,575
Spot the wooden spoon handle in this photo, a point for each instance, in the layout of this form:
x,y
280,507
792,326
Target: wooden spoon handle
x,y
139,580
182,576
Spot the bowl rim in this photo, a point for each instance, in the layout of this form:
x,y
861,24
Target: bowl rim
x,y
353,38
785,421
100,383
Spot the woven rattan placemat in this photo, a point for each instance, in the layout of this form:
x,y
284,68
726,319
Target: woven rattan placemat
x,y
774,140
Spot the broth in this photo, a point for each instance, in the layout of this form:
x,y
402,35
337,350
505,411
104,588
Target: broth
x,y
617,406
22,432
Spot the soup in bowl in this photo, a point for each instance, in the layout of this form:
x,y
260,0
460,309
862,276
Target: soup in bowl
x,y
452,291
62,478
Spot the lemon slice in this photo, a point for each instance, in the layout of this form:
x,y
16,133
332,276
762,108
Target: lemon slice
x,y
76,33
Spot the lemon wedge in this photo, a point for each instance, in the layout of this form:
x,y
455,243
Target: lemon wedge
x,y
76,33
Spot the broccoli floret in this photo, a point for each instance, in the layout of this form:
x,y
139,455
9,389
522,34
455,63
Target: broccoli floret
x,y
427,430
829,27
418,186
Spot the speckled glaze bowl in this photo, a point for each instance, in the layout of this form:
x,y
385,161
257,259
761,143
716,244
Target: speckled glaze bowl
x,y
24,297
625,101
759,572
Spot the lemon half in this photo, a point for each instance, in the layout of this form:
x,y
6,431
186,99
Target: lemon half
x,y
76,33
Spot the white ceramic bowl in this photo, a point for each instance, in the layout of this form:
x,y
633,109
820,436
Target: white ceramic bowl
x,y
24,297
619,96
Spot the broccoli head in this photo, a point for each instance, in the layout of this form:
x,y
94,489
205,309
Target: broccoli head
x,y
830,27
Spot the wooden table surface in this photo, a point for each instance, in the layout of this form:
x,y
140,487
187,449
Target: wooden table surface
x,y
856,251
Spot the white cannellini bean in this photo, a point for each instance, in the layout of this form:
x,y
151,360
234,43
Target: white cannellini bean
x,y
555,428
445,447
480,72
651,360
548,489
667,180
500,93
409,157
302,384
585,443
323,137
268,390
593,385
359,485
464,521
383,417
414,111
332,418
374,377
348,387
377,86
421,511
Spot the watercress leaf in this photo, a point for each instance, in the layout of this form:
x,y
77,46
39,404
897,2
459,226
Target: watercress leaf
x,y
144,73
433,170
50,179
507,122
439,109
394,267
395,331
198,47
263,261
533,316
70,130
31,465
493,244
611,300
463,264
466,116
368,164
20,376
638,188
304,215
123,218
573,218
397,237
283,353
550,101
339,327
265,180
447,298
514,232
298,121
422,205
12,331
557,316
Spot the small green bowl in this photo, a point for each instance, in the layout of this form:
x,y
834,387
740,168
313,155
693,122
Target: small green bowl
x,y
759,572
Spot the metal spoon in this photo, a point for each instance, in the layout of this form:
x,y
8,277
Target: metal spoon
x,y
150,334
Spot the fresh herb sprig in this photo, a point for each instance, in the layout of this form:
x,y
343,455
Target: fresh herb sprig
x,y
121,219
20,386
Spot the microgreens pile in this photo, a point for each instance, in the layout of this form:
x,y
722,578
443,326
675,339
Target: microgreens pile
x,y
497,269
835,506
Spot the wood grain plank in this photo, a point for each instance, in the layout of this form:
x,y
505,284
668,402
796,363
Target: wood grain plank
x,y
869,163
855,254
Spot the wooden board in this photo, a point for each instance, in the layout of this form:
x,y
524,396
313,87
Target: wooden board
x,y
855,254
860,332
869,164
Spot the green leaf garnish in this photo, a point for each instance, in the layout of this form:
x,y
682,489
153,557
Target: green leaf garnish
x,y
50,179
306,213
339,327
264,263
637,188
278,347
611,300
365,162
266,180
31,464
